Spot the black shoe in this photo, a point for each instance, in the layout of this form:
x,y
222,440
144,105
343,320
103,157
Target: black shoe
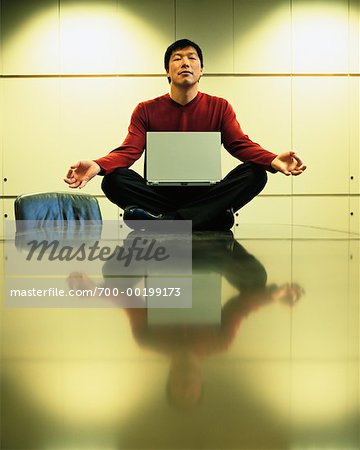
x,y
135,213
227,221
224,222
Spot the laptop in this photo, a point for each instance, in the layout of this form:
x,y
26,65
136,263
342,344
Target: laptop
x,y
183,158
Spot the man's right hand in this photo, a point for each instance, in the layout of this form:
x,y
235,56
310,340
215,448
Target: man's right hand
x,y
81,172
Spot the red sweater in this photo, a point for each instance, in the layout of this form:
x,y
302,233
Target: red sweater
x,y
203,113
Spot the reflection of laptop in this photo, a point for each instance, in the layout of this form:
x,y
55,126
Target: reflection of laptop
x,y
205,303
183,158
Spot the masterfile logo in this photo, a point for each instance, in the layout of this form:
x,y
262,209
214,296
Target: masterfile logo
x,y
59,265
141,249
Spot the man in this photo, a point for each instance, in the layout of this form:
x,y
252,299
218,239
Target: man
x,y
184,109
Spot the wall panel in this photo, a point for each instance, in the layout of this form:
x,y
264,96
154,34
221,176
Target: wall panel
x,y
354,36
30,36
114,36
89,37
327,213
210,24
354,219
150,30
109,211
1,141
32,156
8,209
266,217
320,36
2,215
354,135
92,117
262,36
1,133
321,133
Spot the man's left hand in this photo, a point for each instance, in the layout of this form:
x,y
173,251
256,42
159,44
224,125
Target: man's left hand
x,y
288,163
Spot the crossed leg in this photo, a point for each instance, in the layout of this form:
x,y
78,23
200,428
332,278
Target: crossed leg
x,y
204,205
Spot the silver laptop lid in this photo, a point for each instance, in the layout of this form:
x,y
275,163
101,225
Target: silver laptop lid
x,y
183,158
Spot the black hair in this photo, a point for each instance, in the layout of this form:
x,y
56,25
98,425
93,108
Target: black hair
x,y
179,45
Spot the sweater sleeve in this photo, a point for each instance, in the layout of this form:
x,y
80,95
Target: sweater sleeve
x,y
240,145
132,147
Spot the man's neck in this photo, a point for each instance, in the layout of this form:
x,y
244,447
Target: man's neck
x,y
182,95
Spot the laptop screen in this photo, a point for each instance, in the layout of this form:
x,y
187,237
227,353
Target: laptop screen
x,y
183,158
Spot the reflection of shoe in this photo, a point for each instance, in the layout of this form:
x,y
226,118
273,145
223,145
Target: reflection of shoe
x,y
223,222
134,213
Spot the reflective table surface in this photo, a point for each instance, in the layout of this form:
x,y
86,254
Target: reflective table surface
x,y
267,357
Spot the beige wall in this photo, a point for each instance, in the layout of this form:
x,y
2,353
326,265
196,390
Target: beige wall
x,y
115,48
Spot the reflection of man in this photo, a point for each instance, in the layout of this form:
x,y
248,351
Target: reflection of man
x,y
186,345
184,109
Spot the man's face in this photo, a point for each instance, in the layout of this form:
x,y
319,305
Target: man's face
x,y
184,67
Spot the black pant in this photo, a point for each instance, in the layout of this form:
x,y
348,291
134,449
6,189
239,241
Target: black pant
x,y
201,204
